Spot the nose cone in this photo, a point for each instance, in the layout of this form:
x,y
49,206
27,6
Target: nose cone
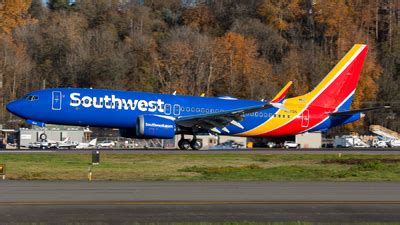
x,y
14,107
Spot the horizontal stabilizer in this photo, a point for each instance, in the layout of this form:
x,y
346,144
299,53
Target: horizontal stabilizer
x,y
351,112
282,94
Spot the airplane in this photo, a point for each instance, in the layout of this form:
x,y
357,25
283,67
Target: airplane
x,y
154,115
90,144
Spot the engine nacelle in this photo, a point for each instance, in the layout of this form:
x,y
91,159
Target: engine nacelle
x,y
151,126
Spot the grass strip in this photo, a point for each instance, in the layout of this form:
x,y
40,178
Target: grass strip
x,y
213,167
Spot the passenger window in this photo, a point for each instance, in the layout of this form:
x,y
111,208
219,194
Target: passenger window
x,y
261,114
187,109
202,110
256,114
197,109
207,110
192,109
265,114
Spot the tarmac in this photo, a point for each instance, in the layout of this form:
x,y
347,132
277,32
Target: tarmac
x,y
63,202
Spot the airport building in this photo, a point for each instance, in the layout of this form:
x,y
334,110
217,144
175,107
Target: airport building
x,y
309,140
27,136
23,137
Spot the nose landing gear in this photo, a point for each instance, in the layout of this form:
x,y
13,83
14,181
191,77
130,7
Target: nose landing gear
x,y
195,144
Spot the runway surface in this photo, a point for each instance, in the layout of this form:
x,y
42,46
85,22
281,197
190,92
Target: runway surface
x,y
117,202
373,151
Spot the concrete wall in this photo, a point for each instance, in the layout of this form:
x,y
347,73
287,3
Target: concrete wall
x,y
309,140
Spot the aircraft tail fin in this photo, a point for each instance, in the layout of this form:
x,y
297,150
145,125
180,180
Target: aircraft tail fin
x,y
93,142
336,90
282,93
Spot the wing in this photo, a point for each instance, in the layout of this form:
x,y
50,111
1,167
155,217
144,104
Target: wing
x,y
219,120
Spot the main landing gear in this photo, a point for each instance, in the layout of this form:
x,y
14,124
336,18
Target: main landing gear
x,y
185,144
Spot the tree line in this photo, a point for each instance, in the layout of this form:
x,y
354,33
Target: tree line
x,y
240,48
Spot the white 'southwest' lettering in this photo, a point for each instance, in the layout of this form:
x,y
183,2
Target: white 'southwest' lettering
x,y
116,103
159,125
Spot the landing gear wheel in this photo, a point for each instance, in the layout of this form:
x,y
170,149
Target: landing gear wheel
x,y
184,144
196,144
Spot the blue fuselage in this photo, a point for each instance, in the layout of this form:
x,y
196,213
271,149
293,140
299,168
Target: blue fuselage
x,y
120,109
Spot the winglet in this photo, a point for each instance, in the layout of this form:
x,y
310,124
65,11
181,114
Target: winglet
x,y
282,94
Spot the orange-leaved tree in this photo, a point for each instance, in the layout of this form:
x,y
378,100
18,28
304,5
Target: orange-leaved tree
x,y
239,71
13,13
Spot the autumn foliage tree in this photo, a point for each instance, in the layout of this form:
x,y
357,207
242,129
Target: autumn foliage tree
x,y
240,72
13,13
15,64
199,18
280,13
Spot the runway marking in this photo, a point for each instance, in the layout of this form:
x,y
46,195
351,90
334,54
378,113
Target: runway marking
x,y
205,203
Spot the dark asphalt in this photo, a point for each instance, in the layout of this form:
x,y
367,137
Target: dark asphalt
x,y
375,151
61,202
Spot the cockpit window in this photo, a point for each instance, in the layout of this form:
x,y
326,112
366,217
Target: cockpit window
x,y
31,97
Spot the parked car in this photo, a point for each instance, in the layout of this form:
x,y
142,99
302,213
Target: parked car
x,y
42,145
229,145
271,144
291,144
106,144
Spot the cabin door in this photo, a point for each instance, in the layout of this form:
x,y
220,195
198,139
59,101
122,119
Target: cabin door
x,y
56,100
177,109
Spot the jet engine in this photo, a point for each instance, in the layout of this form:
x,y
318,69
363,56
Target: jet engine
x,y
153,126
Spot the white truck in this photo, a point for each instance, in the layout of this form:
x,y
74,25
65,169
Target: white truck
x,y
394,143
349,141
379,144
